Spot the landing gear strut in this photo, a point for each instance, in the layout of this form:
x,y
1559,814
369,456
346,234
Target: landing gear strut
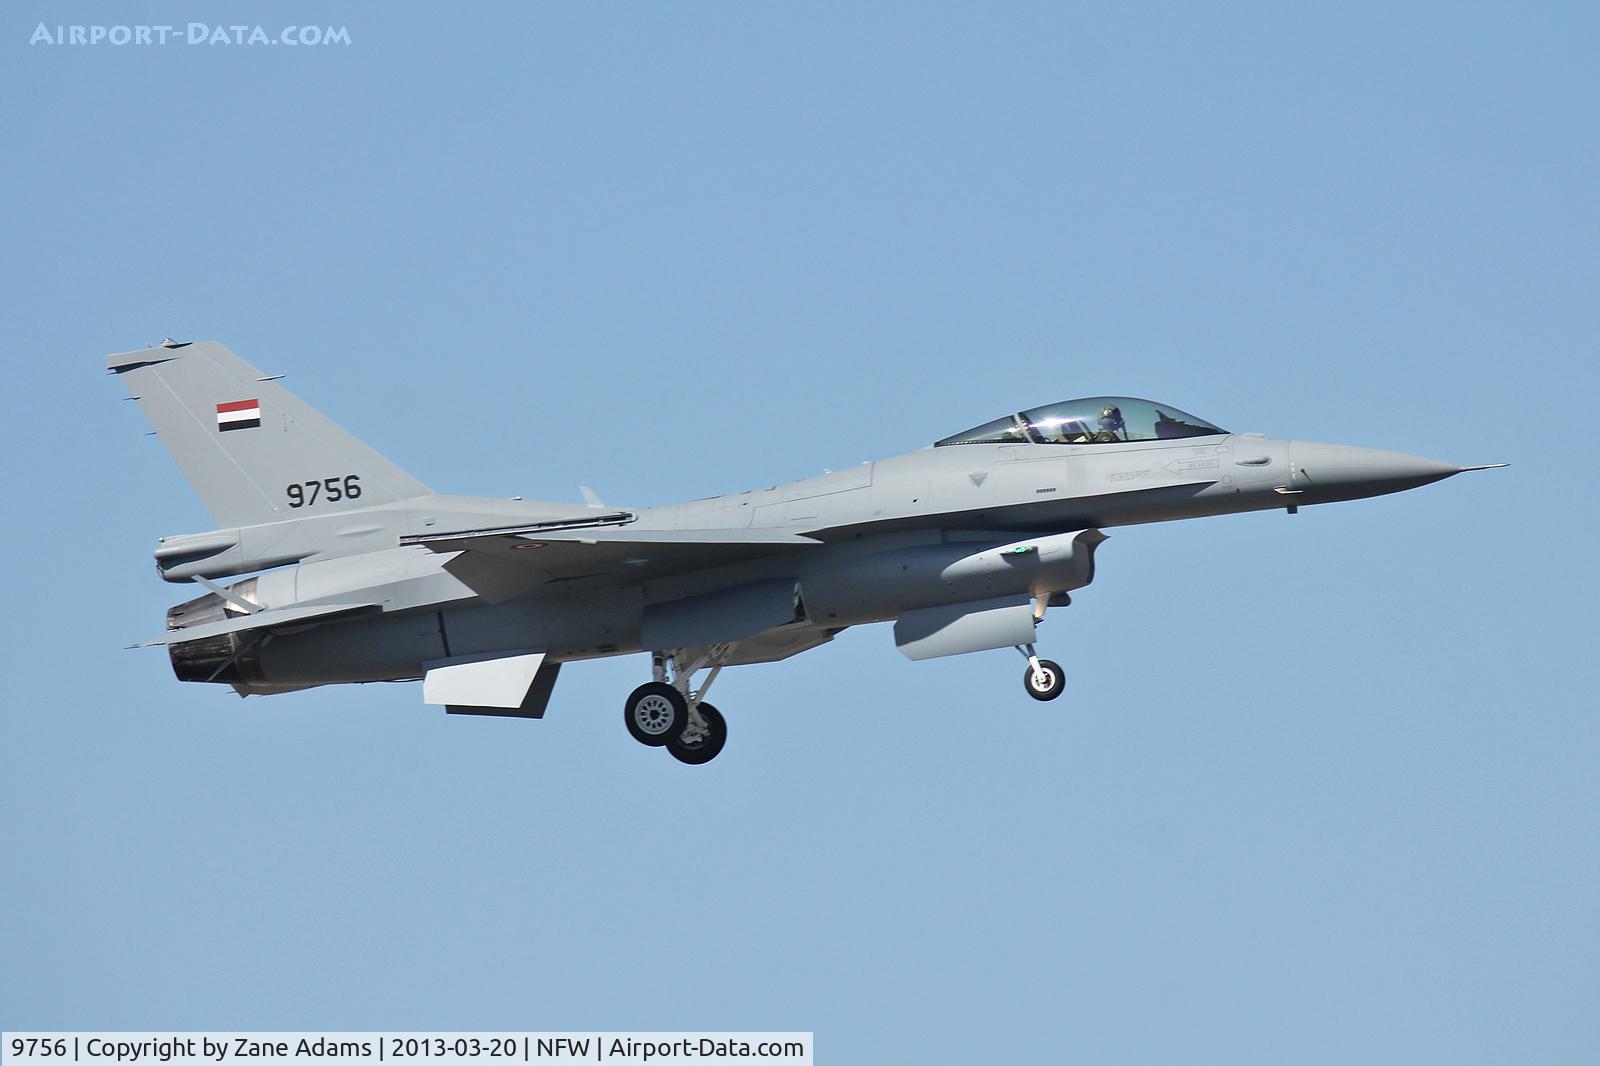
x,y
673,714
1043,678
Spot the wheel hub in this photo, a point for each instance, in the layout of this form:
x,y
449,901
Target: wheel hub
x,y
654,714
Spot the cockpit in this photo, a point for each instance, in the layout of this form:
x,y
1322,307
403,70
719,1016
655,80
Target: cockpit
x,y
1092,420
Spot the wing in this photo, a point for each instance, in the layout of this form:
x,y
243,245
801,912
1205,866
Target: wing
x,y
501,565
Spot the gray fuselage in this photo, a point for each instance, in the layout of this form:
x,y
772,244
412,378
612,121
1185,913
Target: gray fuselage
x,y
953,524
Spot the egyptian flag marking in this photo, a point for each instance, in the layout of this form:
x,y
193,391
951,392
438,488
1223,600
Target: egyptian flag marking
x,y
240,414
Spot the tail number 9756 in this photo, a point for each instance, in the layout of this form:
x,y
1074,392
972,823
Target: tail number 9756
x,y
328,490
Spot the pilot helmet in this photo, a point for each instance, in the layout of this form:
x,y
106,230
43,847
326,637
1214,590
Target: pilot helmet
x,y
1111,418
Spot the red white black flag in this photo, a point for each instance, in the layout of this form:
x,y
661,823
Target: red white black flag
x,y
240,414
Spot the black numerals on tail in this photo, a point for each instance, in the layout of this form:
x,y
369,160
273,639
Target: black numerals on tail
x,y
328,490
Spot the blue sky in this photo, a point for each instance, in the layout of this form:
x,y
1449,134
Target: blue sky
x,y
1322,788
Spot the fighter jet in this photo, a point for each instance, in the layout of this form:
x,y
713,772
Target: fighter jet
x,y
361,573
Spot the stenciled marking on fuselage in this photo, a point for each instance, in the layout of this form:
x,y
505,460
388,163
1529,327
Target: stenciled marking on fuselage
x,y
328,489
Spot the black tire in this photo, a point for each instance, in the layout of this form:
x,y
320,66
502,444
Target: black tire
x,y
1058,680
655,713
708,746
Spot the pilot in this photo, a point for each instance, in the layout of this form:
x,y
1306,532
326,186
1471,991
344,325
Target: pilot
x,y
1112,426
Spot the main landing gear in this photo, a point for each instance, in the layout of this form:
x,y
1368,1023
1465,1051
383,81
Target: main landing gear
x,y
673,714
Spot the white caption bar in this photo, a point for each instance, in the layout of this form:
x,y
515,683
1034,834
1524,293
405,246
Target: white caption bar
x,y
402,1049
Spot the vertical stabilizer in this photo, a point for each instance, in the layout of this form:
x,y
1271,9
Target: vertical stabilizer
x,y
253,451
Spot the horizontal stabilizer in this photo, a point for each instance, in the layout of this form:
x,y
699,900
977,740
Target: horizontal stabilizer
x,y
268,619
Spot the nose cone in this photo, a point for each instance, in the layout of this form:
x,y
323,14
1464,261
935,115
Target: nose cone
x,y
1327,472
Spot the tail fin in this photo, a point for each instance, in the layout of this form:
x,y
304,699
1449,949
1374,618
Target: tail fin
x,y
253,452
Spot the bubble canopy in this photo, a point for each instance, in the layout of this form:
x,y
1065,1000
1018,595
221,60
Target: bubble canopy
x,y
1091,420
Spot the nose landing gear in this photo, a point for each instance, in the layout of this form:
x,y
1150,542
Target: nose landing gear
x,y
674,714
1043,678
